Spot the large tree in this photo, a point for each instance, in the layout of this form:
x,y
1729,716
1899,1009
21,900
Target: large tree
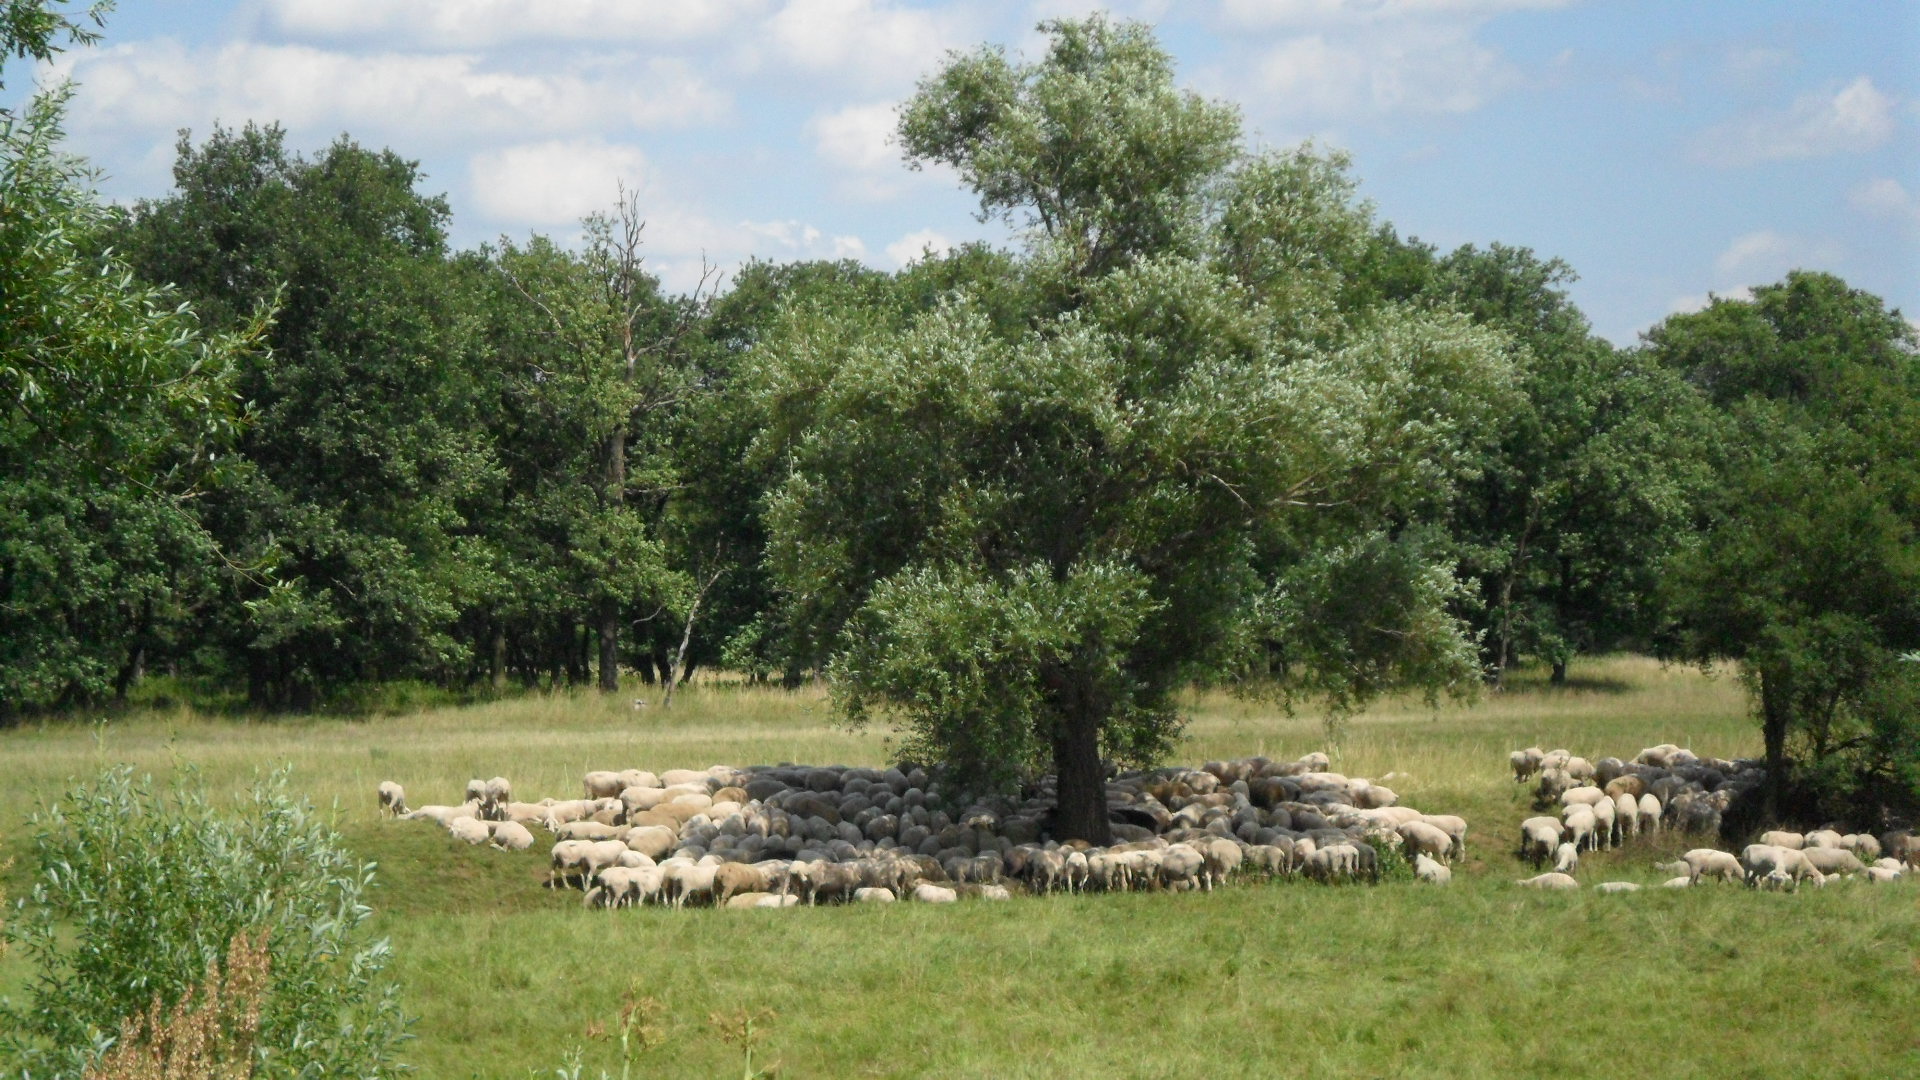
x,y
1022,535
347,513
113,401
1806,566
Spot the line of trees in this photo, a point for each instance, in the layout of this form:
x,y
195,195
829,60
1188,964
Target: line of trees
x,y
1209,420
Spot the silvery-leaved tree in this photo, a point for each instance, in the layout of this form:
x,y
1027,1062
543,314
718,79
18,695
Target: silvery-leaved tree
x,y
1020,537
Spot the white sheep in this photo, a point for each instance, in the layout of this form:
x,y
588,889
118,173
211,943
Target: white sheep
x,y
1604,820
1616,887
1551,880
1539,836
494,797
469,829
1824,838
1792,841
1566,858
1885,875
393,799
1525,763
1454,826
872,895
601,785
1681,882
1422,838
1586,795
1709,862
929,893
1627,815
1833,860
1581,825
1433,873
510,836
443,815
1650,812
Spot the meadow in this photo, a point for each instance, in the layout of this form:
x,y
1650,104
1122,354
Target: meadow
x,y
1476,979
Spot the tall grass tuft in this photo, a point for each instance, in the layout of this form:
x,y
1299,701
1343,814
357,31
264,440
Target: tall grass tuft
x,y
208,1035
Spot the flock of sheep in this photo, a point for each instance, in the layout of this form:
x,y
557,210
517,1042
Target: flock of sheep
x,y
1603,803
777,836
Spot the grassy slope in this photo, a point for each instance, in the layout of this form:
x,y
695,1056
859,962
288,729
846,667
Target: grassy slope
x,y
1477,980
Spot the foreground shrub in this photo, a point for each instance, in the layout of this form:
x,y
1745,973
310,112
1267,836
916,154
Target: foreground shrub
x,y
137,897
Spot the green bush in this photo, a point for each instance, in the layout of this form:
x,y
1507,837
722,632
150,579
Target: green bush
x,y
138,891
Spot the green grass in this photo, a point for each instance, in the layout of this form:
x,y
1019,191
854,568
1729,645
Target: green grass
x,y
1480,979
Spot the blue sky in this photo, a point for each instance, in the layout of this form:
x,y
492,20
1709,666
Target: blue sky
x,y
1665,150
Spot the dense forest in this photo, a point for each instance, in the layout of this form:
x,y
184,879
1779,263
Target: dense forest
x,y
270,436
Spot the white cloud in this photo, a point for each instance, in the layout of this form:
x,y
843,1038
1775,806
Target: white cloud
x,y
553,183
468,24
876,43
1272,13
1431,69
1766,255
1884,197
415,100
913,246
858,139
1853,118
1687,305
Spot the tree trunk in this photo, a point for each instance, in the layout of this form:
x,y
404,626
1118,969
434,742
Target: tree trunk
x,y
1560,671
678,673
1081,779
497,659
609,646
1774,716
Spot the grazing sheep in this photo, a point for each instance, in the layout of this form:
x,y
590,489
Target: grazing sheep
x,y
1759,860
1538,838
1901,844
1650,809
1433,873
1604,820
1861,844
1708,862
1616,887
1833,860
1549,881
1181,863
393,799
1626,815
1581,796
601,785
567,863
1801,867
1525,763
494,797
653,841
1566,858
476,792
1826,838
1581,825
1454,826
1421,838
730,879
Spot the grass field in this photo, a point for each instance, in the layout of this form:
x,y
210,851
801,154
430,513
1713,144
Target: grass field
x,y
1479,979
